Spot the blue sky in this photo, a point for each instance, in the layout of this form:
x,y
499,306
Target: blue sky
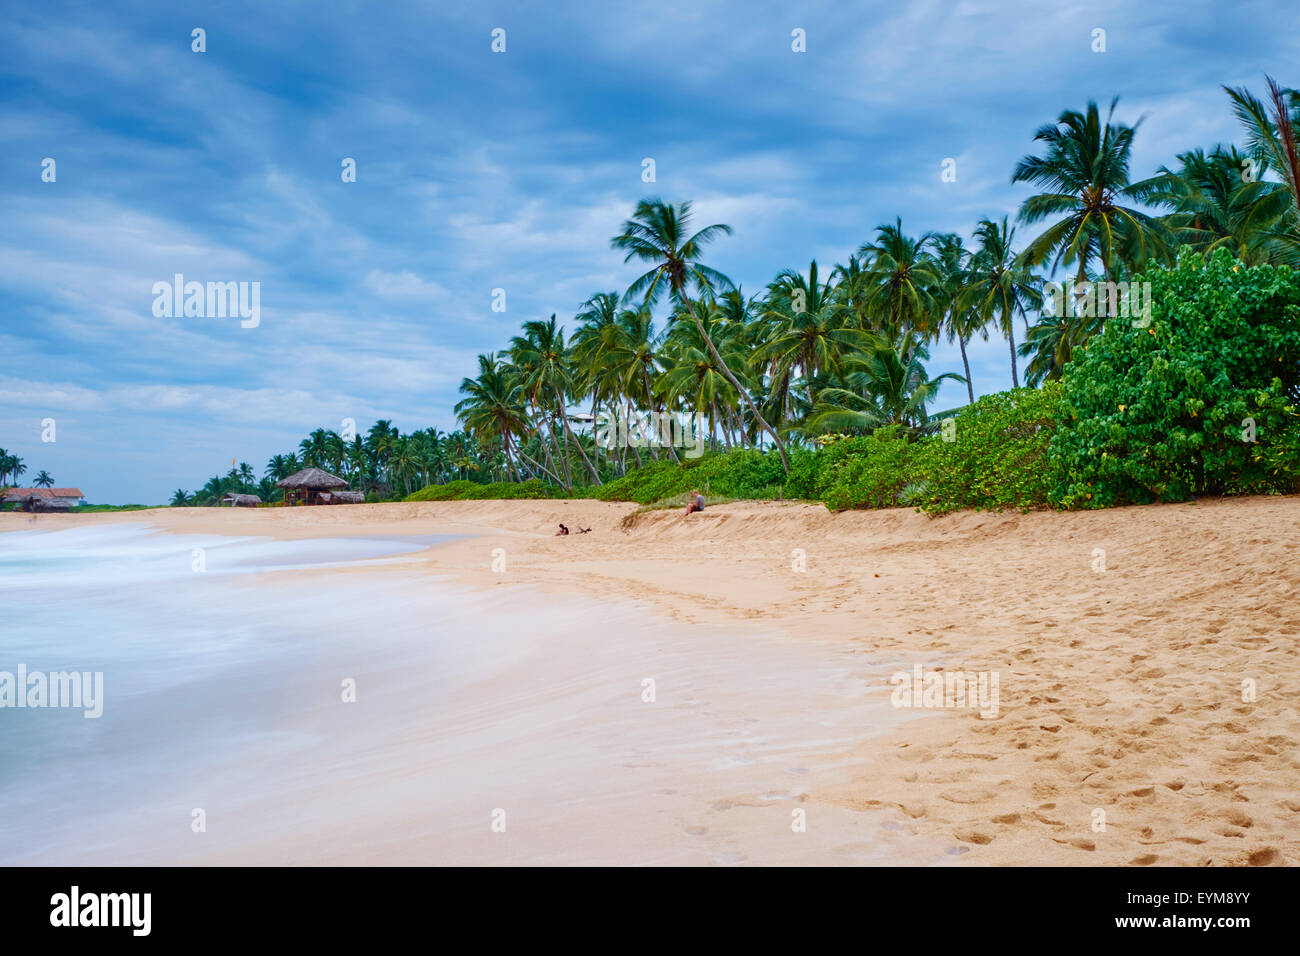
x,y
478,170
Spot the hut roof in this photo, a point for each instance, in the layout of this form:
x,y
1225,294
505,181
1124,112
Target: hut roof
x,y
45,492
238,498
312,479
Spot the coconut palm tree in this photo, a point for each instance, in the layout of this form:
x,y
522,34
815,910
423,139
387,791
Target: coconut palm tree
x,y
492,410
960,323
1051,342
1271,138
43,479
550,376
695,378
659,233
900,282
180,498
1000,284
1085,174
886,386
807,327
1217,202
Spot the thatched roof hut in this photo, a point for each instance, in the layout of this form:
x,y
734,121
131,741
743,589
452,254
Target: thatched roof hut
x,y
342,498
236,500
308,484
311,479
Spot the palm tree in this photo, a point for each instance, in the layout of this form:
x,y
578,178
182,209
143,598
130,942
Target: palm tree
x,y
810,328
900,281
1216,203
492,410
542,351
1000,283
1051,342
180,499
1271,134
659,233
693,374
959,323
1085,172
886,386
43,479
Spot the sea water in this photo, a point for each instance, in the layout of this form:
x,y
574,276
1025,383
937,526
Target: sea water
x,y
202,654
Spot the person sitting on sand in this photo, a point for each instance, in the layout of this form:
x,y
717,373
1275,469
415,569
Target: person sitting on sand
x,y
563,530
697,502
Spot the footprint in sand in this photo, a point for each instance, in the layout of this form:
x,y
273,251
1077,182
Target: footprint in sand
x,y
697,831
1145,859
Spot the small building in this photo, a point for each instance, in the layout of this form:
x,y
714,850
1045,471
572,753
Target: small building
x,y
308,485
50,499
342,498
241,501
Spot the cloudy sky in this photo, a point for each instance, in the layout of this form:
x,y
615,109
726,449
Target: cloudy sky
x,y
479,170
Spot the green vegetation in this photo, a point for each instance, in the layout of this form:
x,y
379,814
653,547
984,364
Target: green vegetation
x,y
1203,401
816,388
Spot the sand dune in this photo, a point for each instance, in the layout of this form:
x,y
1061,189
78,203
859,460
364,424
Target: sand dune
x,y
1121,690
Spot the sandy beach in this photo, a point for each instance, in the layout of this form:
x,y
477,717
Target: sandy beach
x,y
1121,640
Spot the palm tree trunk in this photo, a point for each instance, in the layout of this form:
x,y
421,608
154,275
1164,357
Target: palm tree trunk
x,y
970,389
568,433
1011,337
753,409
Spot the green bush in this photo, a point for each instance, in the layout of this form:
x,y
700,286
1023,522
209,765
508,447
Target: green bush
x,y
1161,413
447,492
462,490
992,456
871,472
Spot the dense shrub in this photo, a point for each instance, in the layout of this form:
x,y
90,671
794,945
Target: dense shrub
x,y
868,472
992,456
447,492
472,490
1160,413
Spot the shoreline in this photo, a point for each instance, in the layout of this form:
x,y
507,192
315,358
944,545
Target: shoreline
x,y
1121,689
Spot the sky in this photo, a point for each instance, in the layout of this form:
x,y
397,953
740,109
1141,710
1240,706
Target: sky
x,y
479,170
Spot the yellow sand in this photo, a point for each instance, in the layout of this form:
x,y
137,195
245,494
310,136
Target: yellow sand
x,y
1121,690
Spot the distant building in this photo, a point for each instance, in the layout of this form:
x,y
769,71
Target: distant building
x,y
241,501
44,499
307,486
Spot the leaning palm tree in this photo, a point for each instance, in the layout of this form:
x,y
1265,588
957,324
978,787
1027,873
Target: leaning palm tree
x,y
43,479
1271,138
541,349
1085,175
659,233
1000,283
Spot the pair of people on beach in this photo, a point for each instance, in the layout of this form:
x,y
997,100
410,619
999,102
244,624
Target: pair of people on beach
x,y
564,530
